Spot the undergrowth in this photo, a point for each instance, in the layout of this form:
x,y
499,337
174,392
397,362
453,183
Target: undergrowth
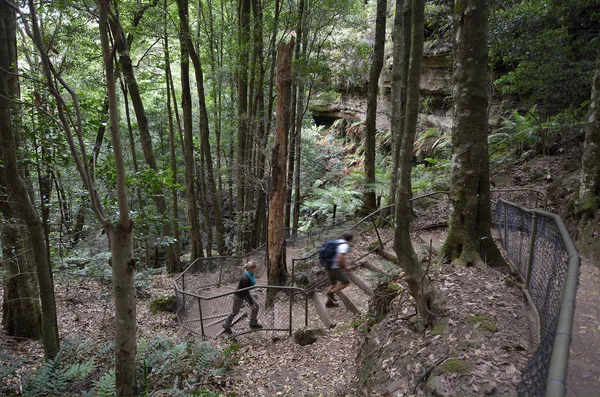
x,y
166,367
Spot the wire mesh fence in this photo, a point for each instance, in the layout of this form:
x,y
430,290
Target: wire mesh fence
x,y
204,313
204,297
538,245
536,242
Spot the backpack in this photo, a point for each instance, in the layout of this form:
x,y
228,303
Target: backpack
x,y
327,253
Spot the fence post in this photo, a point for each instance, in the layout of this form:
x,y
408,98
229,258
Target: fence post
x,y
220,274
293,267
291,293
505,226
183,290
201,319
377,232
531,249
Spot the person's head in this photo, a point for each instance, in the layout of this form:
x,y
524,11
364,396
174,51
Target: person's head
x,y
250,267
348,236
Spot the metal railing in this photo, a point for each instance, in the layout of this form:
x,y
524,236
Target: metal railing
x,y
216,271
203,291
204,313
374,227
539,246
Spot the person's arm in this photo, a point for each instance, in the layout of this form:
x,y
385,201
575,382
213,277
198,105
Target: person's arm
x,y
342,260
342,250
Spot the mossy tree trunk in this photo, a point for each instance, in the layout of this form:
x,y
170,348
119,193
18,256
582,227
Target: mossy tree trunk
x,y
419,286
469,241
589,190
15,184
21,311
370,199
276,237
401,39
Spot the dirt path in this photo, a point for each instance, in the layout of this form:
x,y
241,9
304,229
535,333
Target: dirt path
x,y
584,363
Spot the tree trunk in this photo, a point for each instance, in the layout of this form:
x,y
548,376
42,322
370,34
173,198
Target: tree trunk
x,y
242,113
186,104
588,202
261,134
469,232
418,282
211,193
143,129
21,311
370,199
16,186
401,39
121,240
276,238
173,265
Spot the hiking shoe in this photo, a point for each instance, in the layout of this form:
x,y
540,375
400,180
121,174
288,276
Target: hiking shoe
x,y
227,328
256,326
331,304
331,296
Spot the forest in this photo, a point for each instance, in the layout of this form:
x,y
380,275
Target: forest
x,y
138,136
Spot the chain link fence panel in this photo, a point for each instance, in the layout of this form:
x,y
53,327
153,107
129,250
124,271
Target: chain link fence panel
x,y
538,245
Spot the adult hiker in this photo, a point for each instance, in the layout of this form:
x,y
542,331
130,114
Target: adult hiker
x,y
242,295
336,265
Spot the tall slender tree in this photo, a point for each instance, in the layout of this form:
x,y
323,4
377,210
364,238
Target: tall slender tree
x,y
420,288
188,147
401,49
589,188
469,241
370,199
21,311
15,183
123,45
120,236
276,248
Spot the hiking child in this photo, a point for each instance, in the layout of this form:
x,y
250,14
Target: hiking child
x,y
336,271
239,297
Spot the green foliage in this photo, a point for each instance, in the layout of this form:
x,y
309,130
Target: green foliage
x,y
55,376
524,135
165,366
106,386
163,360
319,210
433,176
546,48
9,376
433,143
163,304
438,21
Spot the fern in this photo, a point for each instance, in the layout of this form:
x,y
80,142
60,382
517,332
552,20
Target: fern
x,y
47,380
106,386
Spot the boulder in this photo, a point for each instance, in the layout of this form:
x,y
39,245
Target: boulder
x,y
307,335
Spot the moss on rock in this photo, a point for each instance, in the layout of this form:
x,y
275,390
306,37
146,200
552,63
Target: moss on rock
x,y
163,304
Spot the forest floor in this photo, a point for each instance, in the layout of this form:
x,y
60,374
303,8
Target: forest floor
x,y
399,360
